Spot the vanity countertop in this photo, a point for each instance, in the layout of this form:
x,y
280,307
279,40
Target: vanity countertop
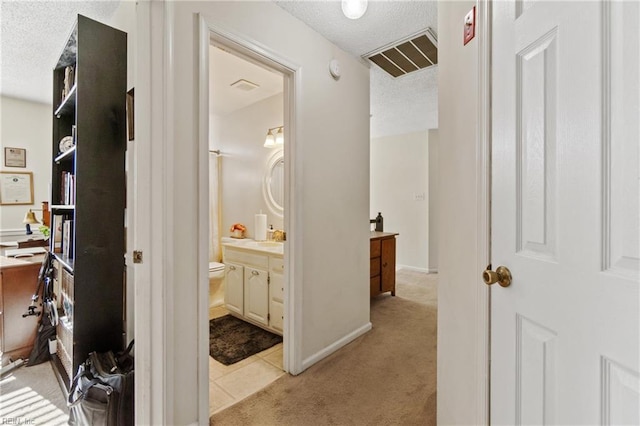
x,y
266,247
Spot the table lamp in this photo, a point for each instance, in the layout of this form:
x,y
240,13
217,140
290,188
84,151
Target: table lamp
x,y
30,219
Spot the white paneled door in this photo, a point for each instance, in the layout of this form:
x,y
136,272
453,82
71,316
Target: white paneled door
x,y
565,212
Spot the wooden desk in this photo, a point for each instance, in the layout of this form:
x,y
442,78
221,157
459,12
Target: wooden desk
x,y
18,279
382,253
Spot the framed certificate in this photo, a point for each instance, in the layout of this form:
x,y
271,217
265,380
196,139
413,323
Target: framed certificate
x,y
16,188
15,157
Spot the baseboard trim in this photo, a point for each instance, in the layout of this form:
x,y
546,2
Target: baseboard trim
x,y
412,268
432,270
308,362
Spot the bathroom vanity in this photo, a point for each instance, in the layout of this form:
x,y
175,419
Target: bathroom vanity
x,y
254,282
382,272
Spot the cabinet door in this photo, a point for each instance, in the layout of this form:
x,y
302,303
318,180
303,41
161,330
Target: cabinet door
x,y
276,295
234,288
18,333
256,295
388,267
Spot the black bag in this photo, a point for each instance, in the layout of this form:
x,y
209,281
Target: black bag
x,y
49,319
102,390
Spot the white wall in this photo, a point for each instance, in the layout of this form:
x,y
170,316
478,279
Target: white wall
x,y
461,377
330,266
240,137
434,208
400,191
27,125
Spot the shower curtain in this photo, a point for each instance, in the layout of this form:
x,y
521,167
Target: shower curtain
x,y
215,207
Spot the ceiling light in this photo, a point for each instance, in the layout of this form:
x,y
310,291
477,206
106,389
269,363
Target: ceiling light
x,y
354,9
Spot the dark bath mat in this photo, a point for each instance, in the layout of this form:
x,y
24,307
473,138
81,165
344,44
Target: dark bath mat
x,y
232,340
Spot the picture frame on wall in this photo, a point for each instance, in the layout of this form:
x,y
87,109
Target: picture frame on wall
x,y
16,188
15,157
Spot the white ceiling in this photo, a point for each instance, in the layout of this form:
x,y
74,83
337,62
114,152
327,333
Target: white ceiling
x,y
33,33
398,105
225,69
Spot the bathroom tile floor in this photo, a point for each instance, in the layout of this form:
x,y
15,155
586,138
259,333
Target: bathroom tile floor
x,y
229,384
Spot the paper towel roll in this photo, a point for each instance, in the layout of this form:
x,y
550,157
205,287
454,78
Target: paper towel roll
x,y
260,227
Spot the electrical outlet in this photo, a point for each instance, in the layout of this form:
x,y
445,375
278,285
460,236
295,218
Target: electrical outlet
x,y
418,196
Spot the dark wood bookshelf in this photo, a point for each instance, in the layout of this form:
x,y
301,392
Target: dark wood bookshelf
x,y
89,92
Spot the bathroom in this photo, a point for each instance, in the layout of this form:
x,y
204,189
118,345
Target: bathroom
x,y
246,180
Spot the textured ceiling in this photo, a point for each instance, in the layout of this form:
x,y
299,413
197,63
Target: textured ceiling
x,y
32,37
32,34
398,105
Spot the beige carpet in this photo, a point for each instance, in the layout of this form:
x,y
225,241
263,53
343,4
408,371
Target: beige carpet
x,y
386,377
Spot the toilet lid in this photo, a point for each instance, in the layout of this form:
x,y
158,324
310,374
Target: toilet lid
x,y
215,266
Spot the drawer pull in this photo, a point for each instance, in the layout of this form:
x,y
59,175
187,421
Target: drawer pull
x,y
255,273
232,268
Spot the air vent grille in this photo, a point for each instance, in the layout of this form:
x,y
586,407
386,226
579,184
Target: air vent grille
x,y
410,54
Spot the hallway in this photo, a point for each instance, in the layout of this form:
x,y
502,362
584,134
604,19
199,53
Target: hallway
x,y
388,376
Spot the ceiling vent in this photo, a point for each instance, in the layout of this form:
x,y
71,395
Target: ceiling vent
x,y
410,54
244,85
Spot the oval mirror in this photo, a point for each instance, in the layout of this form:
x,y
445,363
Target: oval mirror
x,y
273,184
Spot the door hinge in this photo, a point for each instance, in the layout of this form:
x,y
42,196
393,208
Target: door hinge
x,y
268,279
268,317
137,256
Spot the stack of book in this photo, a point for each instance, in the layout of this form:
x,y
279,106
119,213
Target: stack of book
x,y
68,188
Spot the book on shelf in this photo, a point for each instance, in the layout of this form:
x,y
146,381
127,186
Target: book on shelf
x,y
67,239
56,231
68,188
69,80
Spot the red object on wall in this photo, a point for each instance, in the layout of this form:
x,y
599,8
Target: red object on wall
x,y
470,26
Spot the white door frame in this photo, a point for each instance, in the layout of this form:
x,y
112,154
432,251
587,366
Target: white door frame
x,y
211,31
483,191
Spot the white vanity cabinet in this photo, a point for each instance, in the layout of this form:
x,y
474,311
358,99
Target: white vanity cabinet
x,y
234,287
276,292
254,285
256,295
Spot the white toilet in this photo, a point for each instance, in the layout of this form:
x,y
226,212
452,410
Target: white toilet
x,y
216,284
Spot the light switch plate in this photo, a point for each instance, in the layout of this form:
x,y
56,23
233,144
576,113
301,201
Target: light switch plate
x,y
470,26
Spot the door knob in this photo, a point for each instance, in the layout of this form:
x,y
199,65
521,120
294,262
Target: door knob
x,y
502,276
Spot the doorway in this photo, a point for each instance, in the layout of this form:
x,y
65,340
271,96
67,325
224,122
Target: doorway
x,y
249,128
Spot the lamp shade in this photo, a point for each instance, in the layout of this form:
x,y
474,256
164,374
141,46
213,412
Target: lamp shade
x,y
30,218
280,136
270,140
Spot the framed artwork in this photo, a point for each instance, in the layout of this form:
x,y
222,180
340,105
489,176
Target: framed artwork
x,y
16,188
15,157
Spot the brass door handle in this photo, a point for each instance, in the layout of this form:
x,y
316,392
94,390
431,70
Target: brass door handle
x,y
502,276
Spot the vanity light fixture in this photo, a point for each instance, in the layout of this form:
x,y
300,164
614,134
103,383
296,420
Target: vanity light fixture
x,y
280,136
275,136
270,140
354,9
